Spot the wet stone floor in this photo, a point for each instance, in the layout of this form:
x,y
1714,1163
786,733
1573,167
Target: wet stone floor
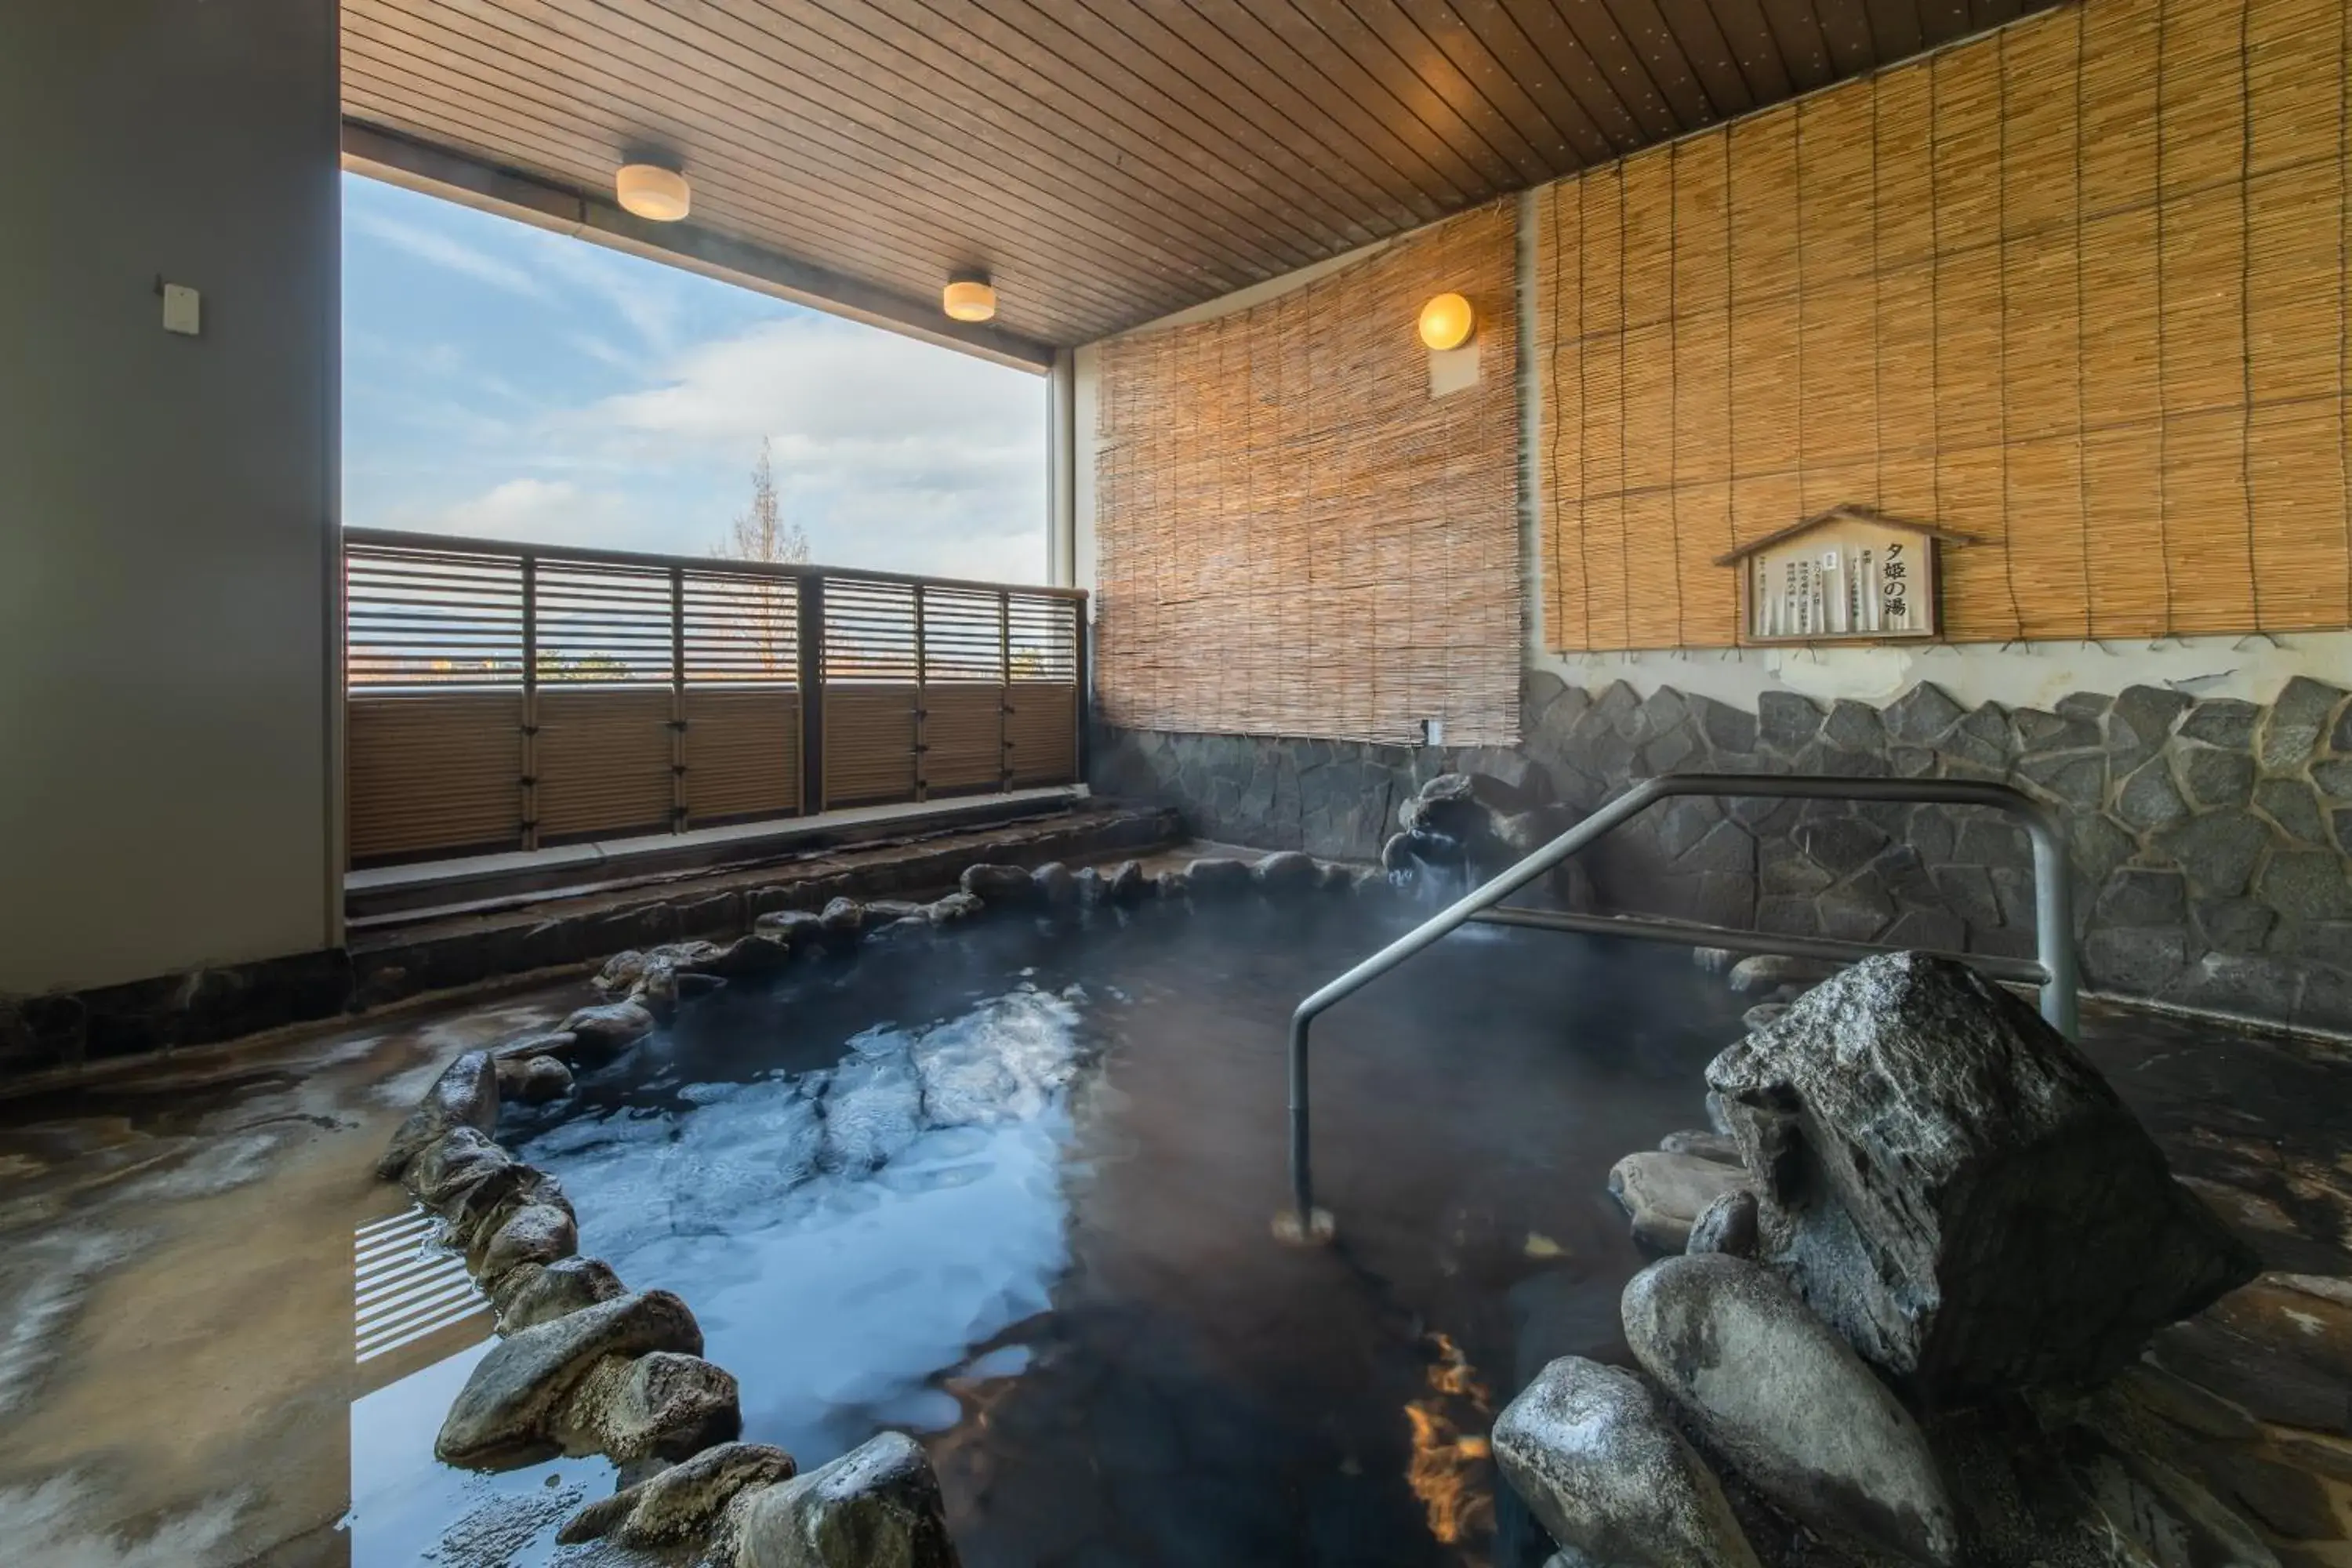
x,y
1010,1190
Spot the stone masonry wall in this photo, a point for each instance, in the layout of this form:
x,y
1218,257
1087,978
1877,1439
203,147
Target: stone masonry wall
x,y
2210,839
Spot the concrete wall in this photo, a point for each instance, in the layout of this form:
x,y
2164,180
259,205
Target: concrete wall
x,y
169,510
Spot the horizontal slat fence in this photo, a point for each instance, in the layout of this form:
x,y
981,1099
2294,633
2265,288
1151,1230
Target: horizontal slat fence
x,y
504,698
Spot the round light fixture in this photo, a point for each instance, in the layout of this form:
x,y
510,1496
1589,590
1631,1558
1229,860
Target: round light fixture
x,y
1447,321
969,299
652,192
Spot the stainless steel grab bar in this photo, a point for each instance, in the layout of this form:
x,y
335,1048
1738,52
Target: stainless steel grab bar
x,y
2053,915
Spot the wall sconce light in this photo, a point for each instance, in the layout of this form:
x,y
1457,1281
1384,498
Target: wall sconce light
x,y
969,297
652,192
1447,321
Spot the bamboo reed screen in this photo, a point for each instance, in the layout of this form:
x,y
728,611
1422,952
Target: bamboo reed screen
x,y
1294,537
2076,287
501,697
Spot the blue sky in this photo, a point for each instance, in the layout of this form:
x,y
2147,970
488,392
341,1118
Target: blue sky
x,y
502,381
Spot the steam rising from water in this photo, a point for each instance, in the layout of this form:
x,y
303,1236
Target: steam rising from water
x,y
849,1233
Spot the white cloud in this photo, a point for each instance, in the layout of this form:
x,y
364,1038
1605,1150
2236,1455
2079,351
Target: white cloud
x,y
823,381
544,511
452,255
891,453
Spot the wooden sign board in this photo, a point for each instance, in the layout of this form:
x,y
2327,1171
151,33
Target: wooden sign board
x,y
1847,575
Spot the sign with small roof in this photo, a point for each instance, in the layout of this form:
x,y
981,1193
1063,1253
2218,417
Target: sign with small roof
x,y
1847,575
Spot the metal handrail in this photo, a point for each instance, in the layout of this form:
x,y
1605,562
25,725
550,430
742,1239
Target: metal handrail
x,y
2053,908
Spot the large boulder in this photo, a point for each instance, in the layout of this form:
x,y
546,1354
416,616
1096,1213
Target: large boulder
x,y
538,1232
510,1409
562,1287
533,1080
611,1028
997,884
876,1506
1665,1193
659,1405
1594,1454
685,1502
1794,1410
1953,1187
1217,876
1287,872
464,1095
452,1166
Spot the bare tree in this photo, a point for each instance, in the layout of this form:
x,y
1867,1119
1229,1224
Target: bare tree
x,y
760,533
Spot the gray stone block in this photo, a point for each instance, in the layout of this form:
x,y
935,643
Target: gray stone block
x,y
2234,925
2294,807
2013,888
2079,779
2327,1000
1620,709
1992,840
1931,831
2138,963
1664,709
1787,916
1787,721
1967,892
1539,689
1843,844
1725,898
1855,726
2318,941
2212,777
2308,884
2219,850
1921,716
2250,985
2134,897
1911,762
1982,739
2038,732
1675,751
2096,845
2297,719
1855,766
2334,778
1785,868
1726,847
1856,911
2089,706
1903,873
1933,930
2148,800
2141,722
1727,728
2222,721
1681,823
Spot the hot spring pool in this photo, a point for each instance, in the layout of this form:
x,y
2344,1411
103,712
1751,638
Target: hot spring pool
x,y
1011,1190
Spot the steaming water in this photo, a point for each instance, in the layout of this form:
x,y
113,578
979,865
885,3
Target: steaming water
x,y
1012,1191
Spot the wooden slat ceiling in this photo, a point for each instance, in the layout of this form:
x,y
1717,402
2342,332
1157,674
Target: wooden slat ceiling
x,y
1106,160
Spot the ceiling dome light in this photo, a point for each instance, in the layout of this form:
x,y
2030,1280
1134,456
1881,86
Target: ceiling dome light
x,y
652,192
971,298
1447,321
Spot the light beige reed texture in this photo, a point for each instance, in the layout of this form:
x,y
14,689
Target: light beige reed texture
x,y
1294,537
2076,287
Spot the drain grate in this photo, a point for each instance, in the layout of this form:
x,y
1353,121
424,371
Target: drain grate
x,y
407,1284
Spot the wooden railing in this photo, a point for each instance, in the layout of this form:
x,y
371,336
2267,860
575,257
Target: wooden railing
x,y
505,697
